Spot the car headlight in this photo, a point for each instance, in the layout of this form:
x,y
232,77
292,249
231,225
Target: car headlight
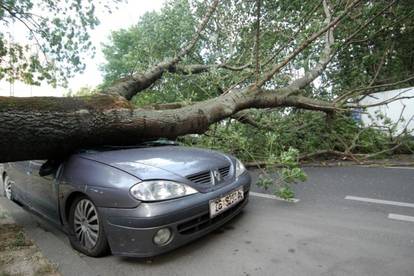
x,y
160,190
240,168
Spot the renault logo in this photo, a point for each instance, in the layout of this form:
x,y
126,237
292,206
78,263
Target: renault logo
x,y
215,177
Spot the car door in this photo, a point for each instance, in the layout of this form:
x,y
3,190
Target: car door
x,y
20,175
43,191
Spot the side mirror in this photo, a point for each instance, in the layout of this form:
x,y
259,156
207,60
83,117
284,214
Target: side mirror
x,y
49,167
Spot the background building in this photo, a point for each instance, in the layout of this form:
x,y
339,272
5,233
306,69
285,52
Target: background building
x,y
394,110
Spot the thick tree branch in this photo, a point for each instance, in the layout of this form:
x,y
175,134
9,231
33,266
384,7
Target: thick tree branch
x,y
245,118
276,68
326,55
129,86
299,28
257,41
38,128
189,69
49,126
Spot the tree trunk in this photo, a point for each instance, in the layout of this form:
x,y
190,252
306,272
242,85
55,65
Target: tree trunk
x,y
45,127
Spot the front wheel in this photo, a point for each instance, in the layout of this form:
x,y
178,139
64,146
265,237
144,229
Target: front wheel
x,y
87,235
7,188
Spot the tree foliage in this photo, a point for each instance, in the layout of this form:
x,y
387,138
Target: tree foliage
x,y
379,52
156,36
206,61
52,39
200,65
227,40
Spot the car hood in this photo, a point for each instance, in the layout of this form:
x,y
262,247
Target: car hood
x,y
166,162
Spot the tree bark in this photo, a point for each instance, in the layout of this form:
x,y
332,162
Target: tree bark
x,y
49,127
45,127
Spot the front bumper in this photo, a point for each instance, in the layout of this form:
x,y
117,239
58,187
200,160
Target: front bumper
x,y
130,232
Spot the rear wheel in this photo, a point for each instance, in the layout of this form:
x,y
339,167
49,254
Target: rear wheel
x,y
87,235
7,188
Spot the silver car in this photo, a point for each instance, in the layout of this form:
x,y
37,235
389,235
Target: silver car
x,y
140,201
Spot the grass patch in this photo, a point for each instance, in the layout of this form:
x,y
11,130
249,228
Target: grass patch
x,y
20,239
19,256
45,269
12,236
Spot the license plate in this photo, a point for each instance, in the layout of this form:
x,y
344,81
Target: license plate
x,y
220,205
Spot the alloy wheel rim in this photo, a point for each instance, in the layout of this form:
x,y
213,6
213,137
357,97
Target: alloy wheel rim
x,y
86,223
7,188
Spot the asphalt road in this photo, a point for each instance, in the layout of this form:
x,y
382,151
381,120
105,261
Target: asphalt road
x,y
322,234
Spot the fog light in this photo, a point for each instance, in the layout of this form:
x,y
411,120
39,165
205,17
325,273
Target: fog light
x,y
162,237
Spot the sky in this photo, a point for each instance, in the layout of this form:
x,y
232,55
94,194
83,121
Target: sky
x,y
125,15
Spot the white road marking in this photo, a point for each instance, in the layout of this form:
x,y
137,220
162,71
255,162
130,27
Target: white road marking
x,y
400,168
387,167
294,200
380,201
401,217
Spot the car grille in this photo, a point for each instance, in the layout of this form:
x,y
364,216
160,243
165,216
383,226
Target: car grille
x,y
205,177
224,171
203,221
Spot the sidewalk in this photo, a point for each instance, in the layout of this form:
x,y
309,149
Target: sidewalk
x,y
53,243
18,254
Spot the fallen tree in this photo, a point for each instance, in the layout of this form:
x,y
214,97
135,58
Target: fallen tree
x,y
45,127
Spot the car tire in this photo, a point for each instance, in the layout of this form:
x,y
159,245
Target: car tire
x,y
87,234
7,188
